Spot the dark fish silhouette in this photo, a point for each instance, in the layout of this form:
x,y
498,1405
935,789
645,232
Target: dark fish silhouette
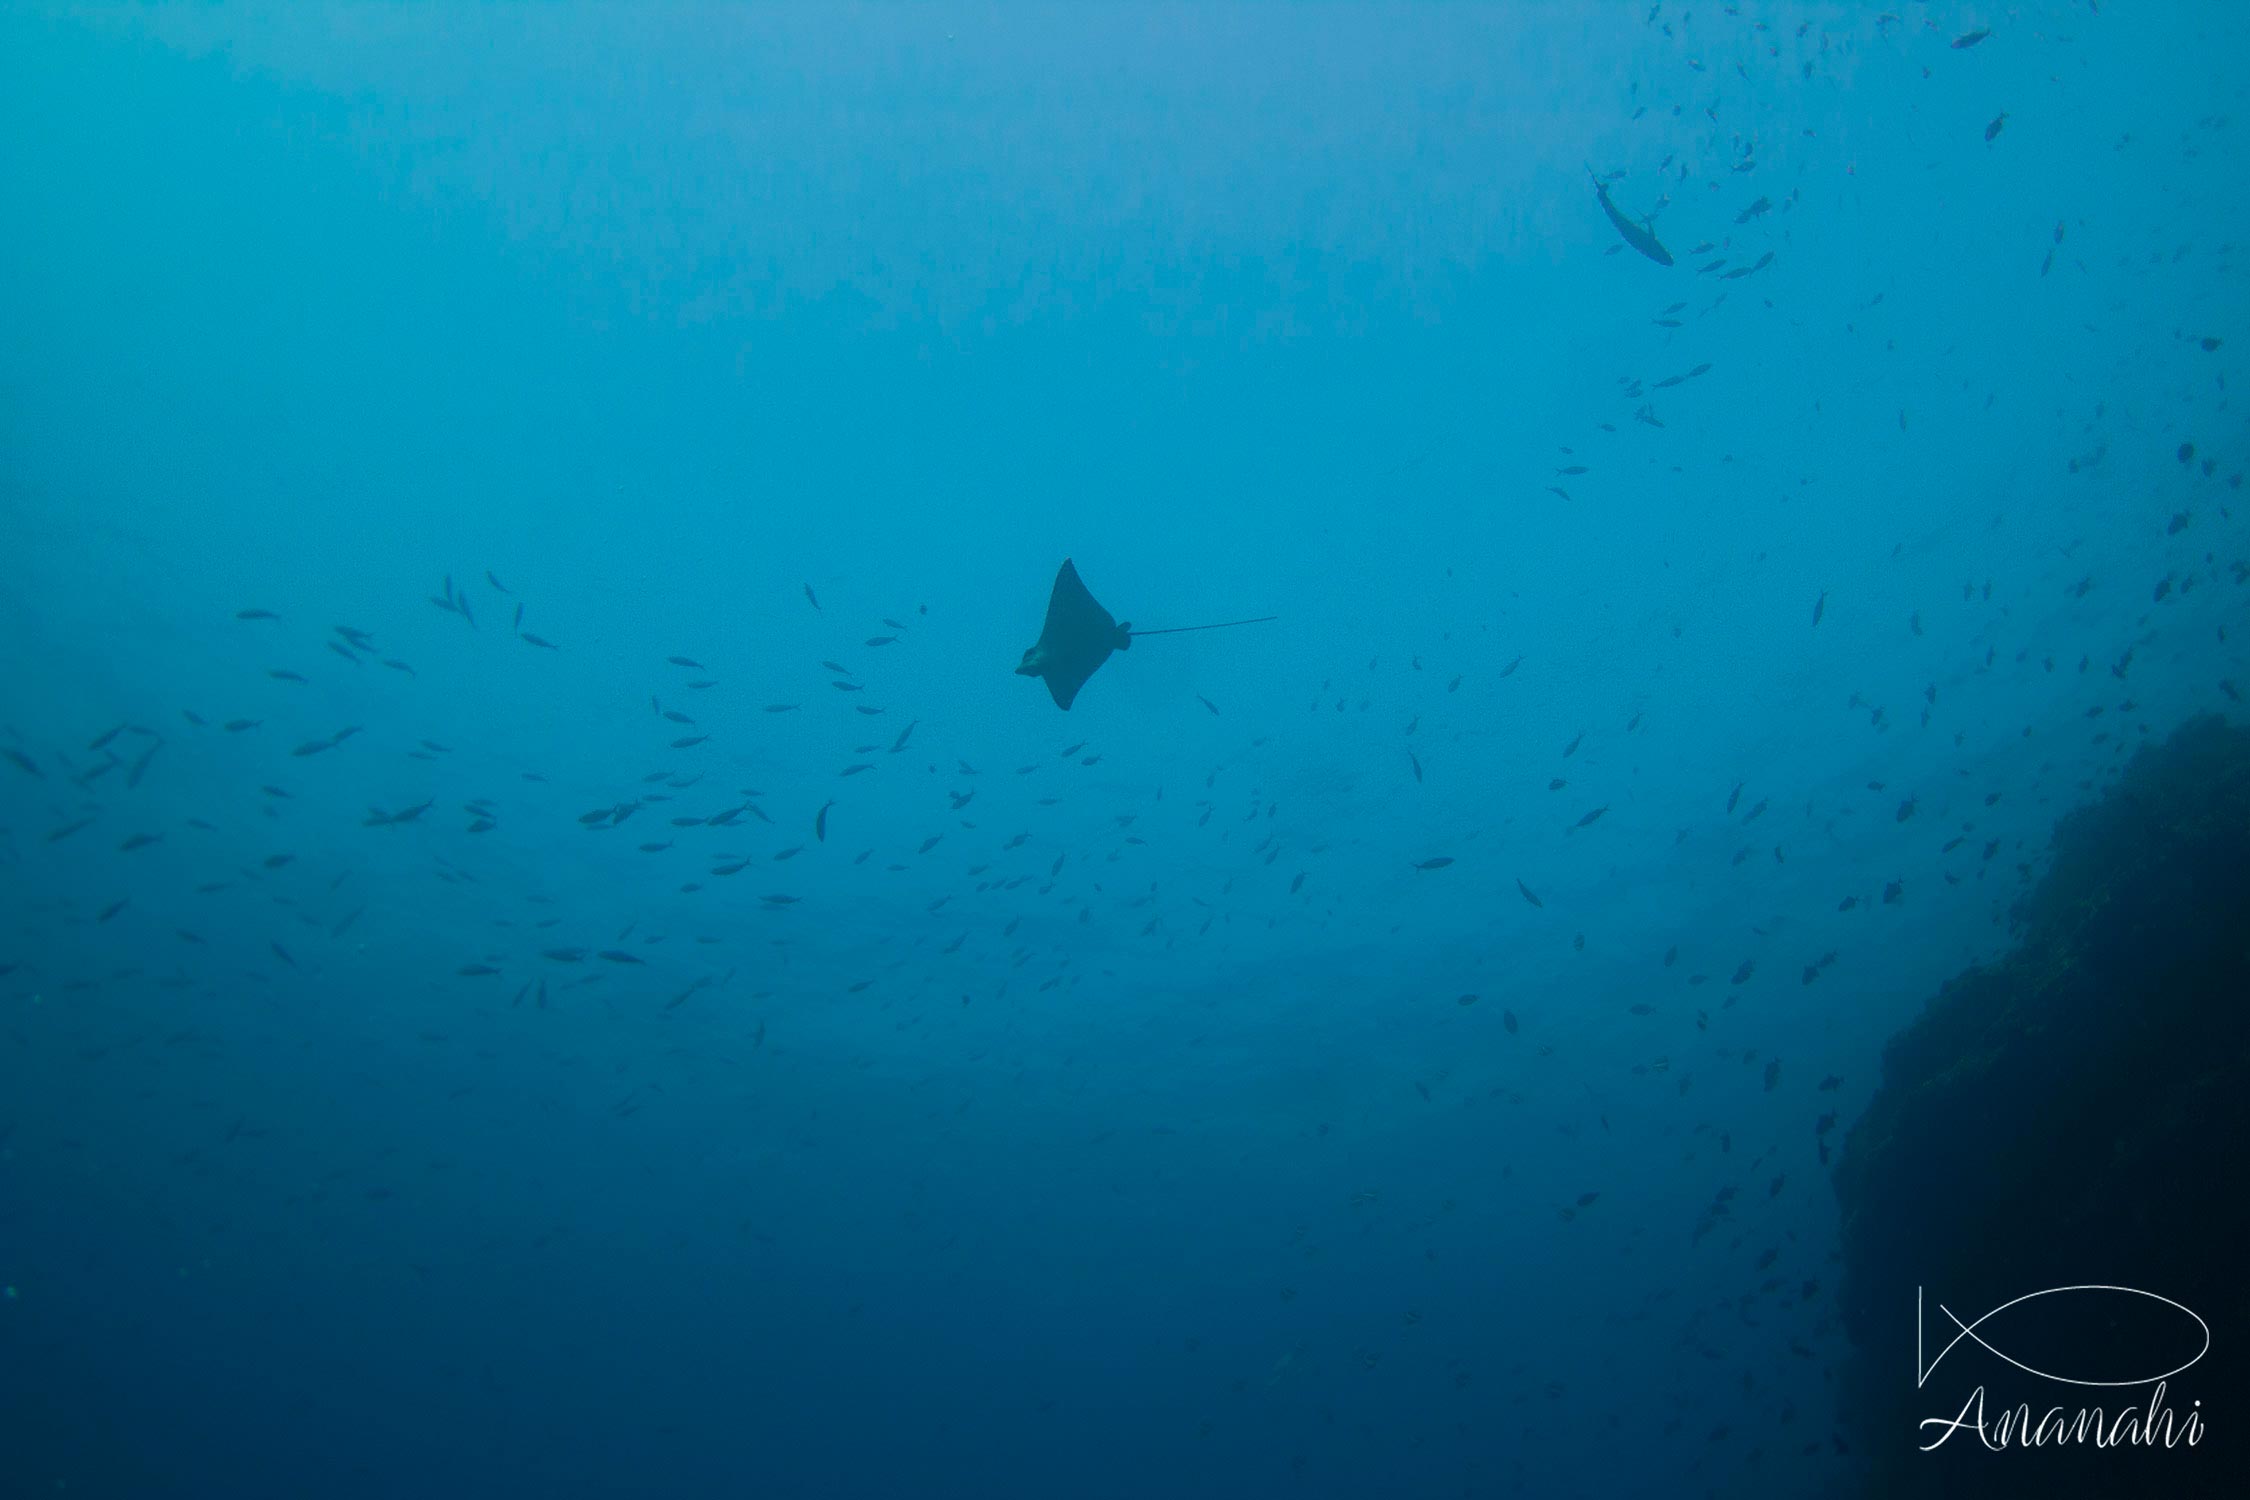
x,y
1640,236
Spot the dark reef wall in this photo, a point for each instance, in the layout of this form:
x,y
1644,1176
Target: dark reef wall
x,y
2075,1114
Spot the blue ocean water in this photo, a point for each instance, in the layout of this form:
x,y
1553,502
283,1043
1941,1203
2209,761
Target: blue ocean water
x,y
1396,1049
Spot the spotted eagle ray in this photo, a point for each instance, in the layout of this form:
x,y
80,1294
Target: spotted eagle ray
x,y
1080,635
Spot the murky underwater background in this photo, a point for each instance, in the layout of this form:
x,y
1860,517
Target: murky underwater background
x,y
546,950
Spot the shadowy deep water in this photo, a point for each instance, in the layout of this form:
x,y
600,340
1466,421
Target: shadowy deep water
x,y
547,949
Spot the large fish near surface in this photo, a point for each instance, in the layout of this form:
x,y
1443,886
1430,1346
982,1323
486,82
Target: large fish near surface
x,y
1640,236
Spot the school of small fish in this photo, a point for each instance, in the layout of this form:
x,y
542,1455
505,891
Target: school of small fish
x,y
290,828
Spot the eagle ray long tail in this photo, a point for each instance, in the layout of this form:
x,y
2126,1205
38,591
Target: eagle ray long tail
x,y
1222,625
